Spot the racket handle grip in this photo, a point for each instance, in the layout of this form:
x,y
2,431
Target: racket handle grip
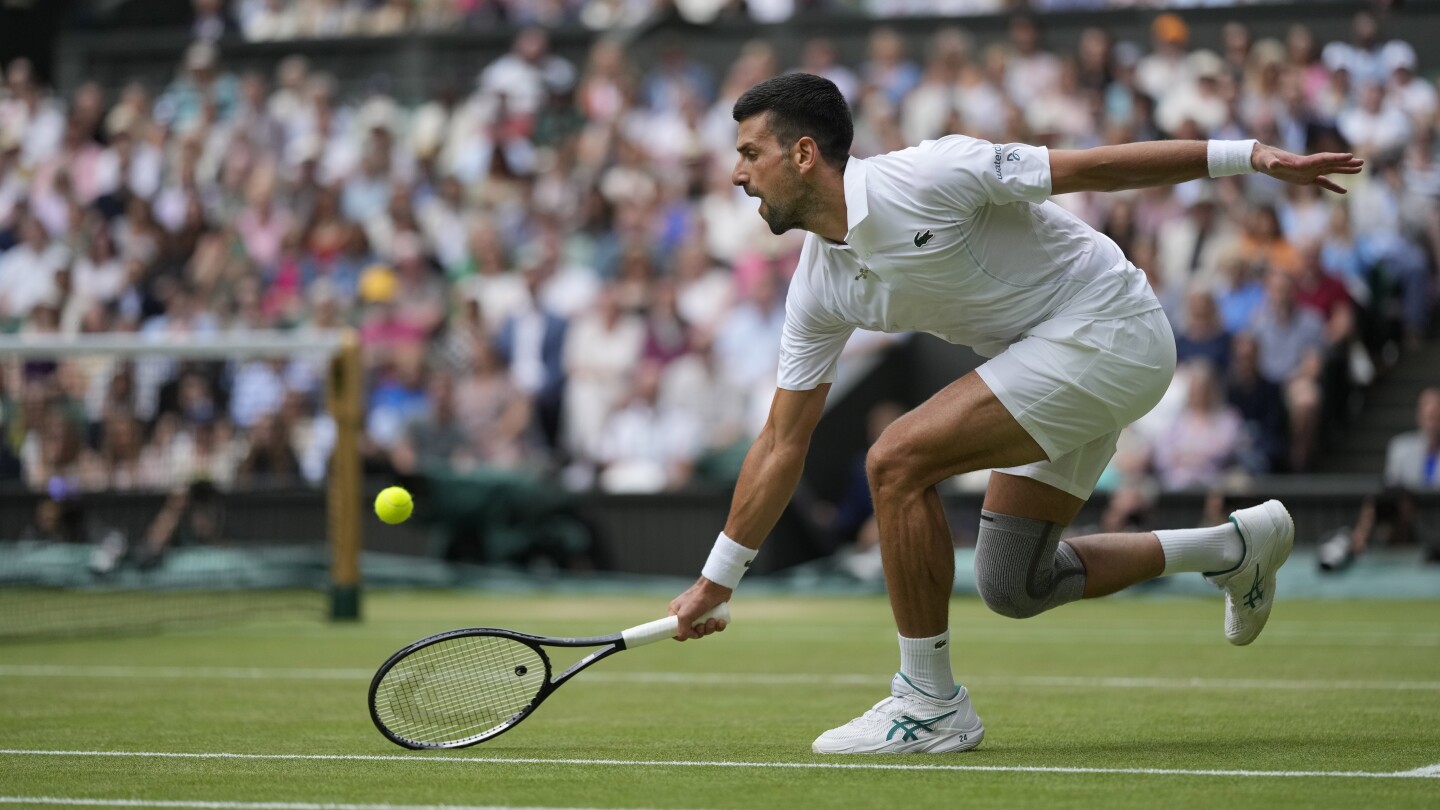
x,y
661,629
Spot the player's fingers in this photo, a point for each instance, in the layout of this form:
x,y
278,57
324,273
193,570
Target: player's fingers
x,y
1327,183
685,631
1326,159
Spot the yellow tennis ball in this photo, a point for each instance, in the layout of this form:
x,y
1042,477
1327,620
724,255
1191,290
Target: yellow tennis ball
x,y
393,505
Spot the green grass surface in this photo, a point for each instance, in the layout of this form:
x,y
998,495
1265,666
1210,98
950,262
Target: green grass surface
x,y
1330,687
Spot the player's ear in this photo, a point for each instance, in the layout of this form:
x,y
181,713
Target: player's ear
x,y
805,154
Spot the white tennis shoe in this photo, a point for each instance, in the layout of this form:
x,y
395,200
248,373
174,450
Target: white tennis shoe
x,y
1268,533
907,722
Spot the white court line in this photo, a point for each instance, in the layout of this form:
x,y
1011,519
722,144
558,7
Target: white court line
x,y
212,805
736,679
1427,772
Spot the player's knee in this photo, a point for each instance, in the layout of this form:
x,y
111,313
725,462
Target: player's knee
x,y
1021,567
1005,595
889,466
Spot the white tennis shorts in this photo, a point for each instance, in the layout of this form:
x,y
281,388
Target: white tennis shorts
x,y
1073,383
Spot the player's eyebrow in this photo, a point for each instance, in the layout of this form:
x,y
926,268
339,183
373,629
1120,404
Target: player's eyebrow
x,y
742,147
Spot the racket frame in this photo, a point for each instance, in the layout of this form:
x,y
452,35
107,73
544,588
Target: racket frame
x,y
609,645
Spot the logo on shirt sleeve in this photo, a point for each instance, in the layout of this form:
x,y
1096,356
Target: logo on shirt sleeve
x,y
922,238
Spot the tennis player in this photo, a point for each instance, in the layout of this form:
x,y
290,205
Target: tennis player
x,y
955,237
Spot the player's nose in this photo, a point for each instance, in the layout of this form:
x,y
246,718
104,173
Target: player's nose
x,y
738,177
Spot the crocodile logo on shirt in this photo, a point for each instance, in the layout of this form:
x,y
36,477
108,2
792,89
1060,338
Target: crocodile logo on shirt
x,y
922,238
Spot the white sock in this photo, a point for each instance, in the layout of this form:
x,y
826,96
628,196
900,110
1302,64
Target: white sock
x,y
1207,551
925,663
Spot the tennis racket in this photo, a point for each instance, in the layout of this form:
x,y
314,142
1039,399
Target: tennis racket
x,y
467,686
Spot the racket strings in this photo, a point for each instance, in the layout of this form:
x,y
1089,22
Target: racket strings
x,y
459,688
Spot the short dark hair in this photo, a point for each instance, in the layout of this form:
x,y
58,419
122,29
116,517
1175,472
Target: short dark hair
x,y
802,104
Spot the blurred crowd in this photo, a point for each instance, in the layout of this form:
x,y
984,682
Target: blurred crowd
x,y
552,272
268,20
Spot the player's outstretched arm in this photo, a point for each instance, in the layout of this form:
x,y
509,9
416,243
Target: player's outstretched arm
x,y
767,480
1164,163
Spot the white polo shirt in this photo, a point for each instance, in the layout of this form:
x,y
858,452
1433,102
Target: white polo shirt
x,y
954,237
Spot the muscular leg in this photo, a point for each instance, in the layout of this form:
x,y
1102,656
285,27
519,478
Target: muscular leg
x,y
960,429
964,428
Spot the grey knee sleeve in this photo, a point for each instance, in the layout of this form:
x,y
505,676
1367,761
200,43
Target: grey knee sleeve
x,y
1021,567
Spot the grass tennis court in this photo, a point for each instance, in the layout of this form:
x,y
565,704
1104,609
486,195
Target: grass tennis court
x,y
1121,703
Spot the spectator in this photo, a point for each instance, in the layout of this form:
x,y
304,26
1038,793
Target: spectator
x,y
436,440
1203,336
495,414
1373,128
276,20
1394,261
119,460
888,70
749,339
183,103
1261,404
1191,246
54,450
1326,296
1265,247
206,450
1206,438
212,21
820,58
398,397
523,75
1340,256
1030,70
1200,103
695,383
601,353
1291,344
261,227
270,459
534,346
678,76
1166,66
1412,95
1412,467
646,446
927,110
442,219
28,271
1304,216
1239,294
1302,60
667,336
259,391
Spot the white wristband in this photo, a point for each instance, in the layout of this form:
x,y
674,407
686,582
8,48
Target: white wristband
x,y
1226,158
728,561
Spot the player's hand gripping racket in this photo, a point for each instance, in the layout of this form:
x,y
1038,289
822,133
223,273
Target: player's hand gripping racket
x,y
466,686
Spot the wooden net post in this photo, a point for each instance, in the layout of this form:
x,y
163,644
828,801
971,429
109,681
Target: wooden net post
x,y
346,408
